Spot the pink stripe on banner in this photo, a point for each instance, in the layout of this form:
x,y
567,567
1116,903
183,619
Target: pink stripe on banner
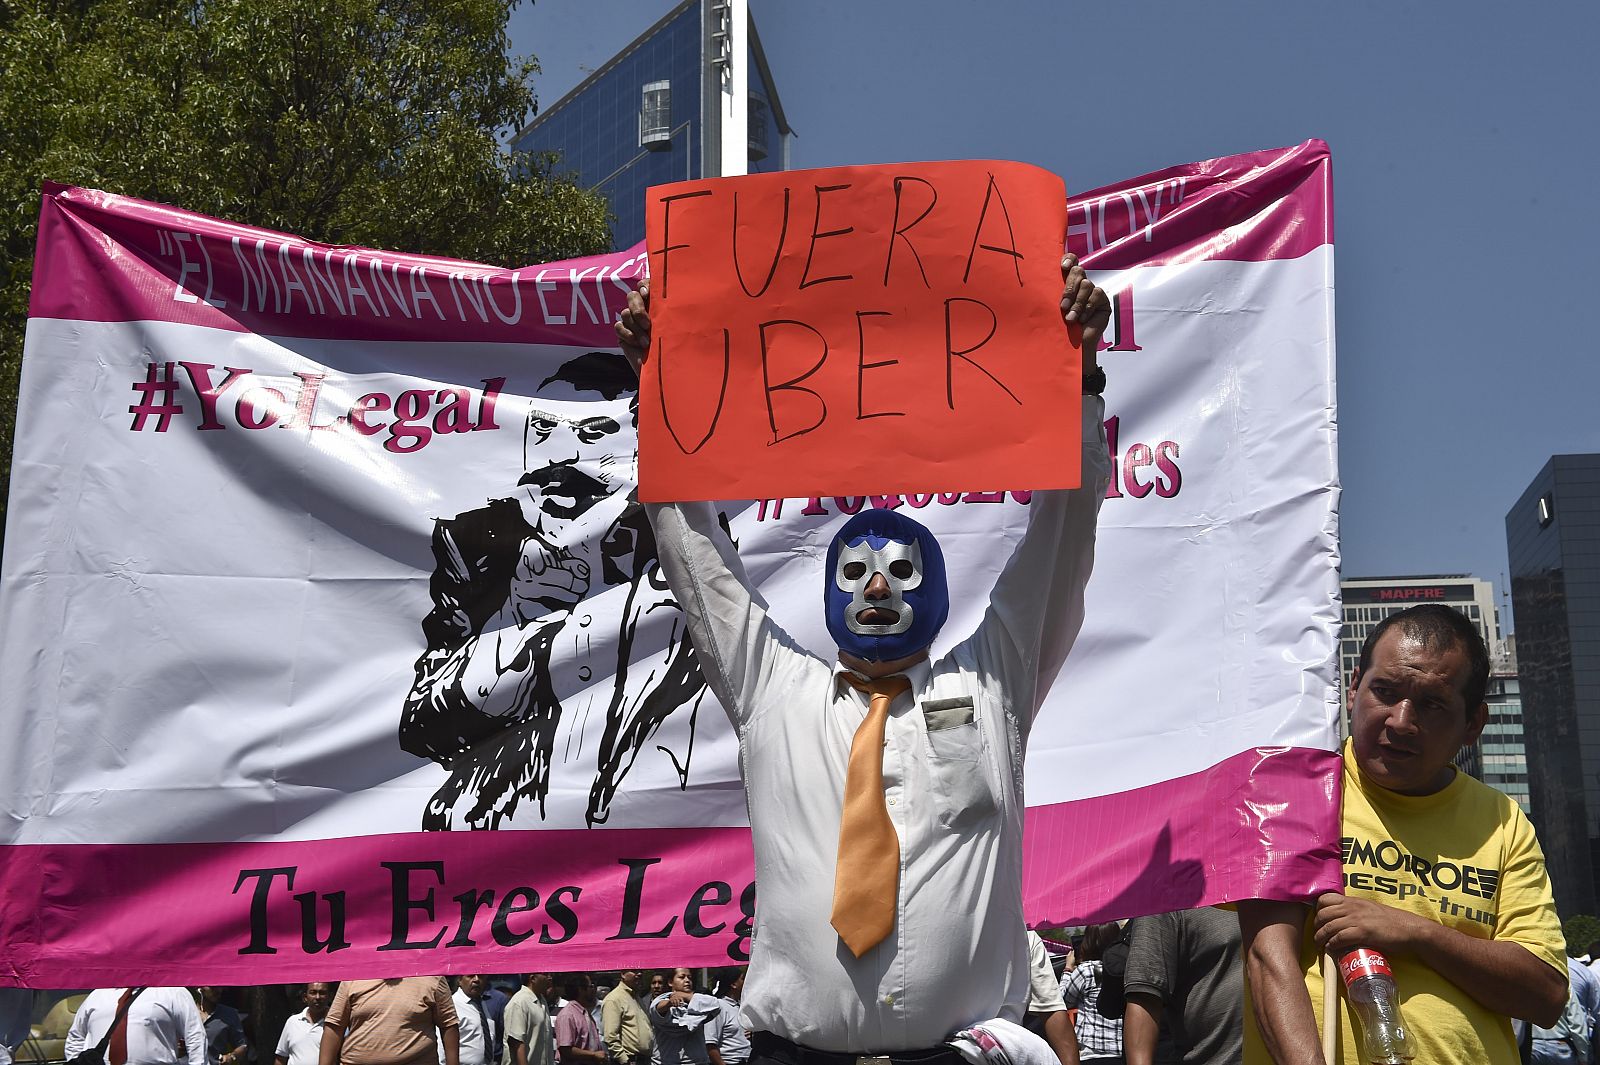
x,y
1275,204
1262,824
106,258
1259,824
406,904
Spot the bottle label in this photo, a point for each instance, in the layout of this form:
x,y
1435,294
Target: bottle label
x,y
1362,962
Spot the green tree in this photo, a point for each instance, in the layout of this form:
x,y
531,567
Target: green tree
x,y
371,122
1582,932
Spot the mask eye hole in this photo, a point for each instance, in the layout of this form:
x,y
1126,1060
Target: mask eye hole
x,y
900,569
854,571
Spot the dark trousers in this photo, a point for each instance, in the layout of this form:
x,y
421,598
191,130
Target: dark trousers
x,y
769,1049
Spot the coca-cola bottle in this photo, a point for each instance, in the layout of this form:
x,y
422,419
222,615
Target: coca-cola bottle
x,y
1370,989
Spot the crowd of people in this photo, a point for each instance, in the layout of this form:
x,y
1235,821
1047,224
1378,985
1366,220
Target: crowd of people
x,y
631,1017
1156,991
1160,990
1177,976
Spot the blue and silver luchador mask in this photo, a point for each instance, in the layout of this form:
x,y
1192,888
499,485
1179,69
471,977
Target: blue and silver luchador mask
x,y
907,618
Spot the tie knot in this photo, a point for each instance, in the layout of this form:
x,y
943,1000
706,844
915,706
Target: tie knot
x,y
887,687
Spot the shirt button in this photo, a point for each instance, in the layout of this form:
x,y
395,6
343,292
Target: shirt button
x,y
891,803
888,1000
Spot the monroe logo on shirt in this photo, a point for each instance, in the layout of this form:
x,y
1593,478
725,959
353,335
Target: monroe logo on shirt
x,y
1425,878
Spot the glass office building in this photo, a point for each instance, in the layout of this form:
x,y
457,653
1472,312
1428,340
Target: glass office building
x,y
1553,541
653,114
1502,747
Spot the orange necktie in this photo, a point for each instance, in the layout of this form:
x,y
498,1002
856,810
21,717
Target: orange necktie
x,y
866,877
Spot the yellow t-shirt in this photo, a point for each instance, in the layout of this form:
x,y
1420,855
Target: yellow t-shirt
x,y
1465,857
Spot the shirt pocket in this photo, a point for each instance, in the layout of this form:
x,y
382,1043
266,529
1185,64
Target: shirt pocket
x,y
958,763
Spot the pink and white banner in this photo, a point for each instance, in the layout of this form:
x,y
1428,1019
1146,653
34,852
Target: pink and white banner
x,y
320,557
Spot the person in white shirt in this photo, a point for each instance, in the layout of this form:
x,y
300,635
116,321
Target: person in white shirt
x,y
726,1040
162,1027
1047,1014
868,944
301,1041
477,1029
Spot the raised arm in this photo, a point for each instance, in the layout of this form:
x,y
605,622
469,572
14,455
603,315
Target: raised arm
x,y
735,641
1036,608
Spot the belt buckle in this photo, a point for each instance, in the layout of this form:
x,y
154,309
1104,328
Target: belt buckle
x,y
873,1059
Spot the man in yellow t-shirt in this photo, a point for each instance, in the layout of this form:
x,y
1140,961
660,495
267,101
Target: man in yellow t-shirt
x,y
1442,874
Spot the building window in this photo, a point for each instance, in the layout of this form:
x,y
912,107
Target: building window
x,y
1547,509
655,116
756,123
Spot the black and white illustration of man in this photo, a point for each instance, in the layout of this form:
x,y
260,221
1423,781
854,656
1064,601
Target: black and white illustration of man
x,y
553,642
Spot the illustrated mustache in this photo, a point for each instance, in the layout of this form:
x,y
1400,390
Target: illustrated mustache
x,y
565,479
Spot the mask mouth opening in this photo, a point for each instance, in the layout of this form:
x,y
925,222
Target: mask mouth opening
x,y
877,615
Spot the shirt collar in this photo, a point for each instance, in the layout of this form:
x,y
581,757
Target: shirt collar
x,y
919,673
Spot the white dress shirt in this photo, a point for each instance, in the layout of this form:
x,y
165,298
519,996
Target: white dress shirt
x,y
160,1021
726,1030
1044,989
475,1040
957,954
301,1041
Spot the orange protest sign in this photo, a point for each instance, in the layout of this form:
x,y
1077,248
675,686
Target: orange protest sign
x,y
858,330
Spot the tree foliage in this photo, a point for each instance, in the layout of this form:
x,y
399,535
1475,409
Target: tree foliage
x,y
1582,932
370,122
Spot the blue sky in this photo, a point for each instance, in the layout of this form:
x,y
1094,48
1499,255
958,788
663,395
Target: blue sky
x,y
1464,147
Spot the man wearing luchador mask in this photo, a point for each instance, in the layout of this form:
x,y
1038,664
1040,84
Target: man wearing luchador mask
x,y
884,788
